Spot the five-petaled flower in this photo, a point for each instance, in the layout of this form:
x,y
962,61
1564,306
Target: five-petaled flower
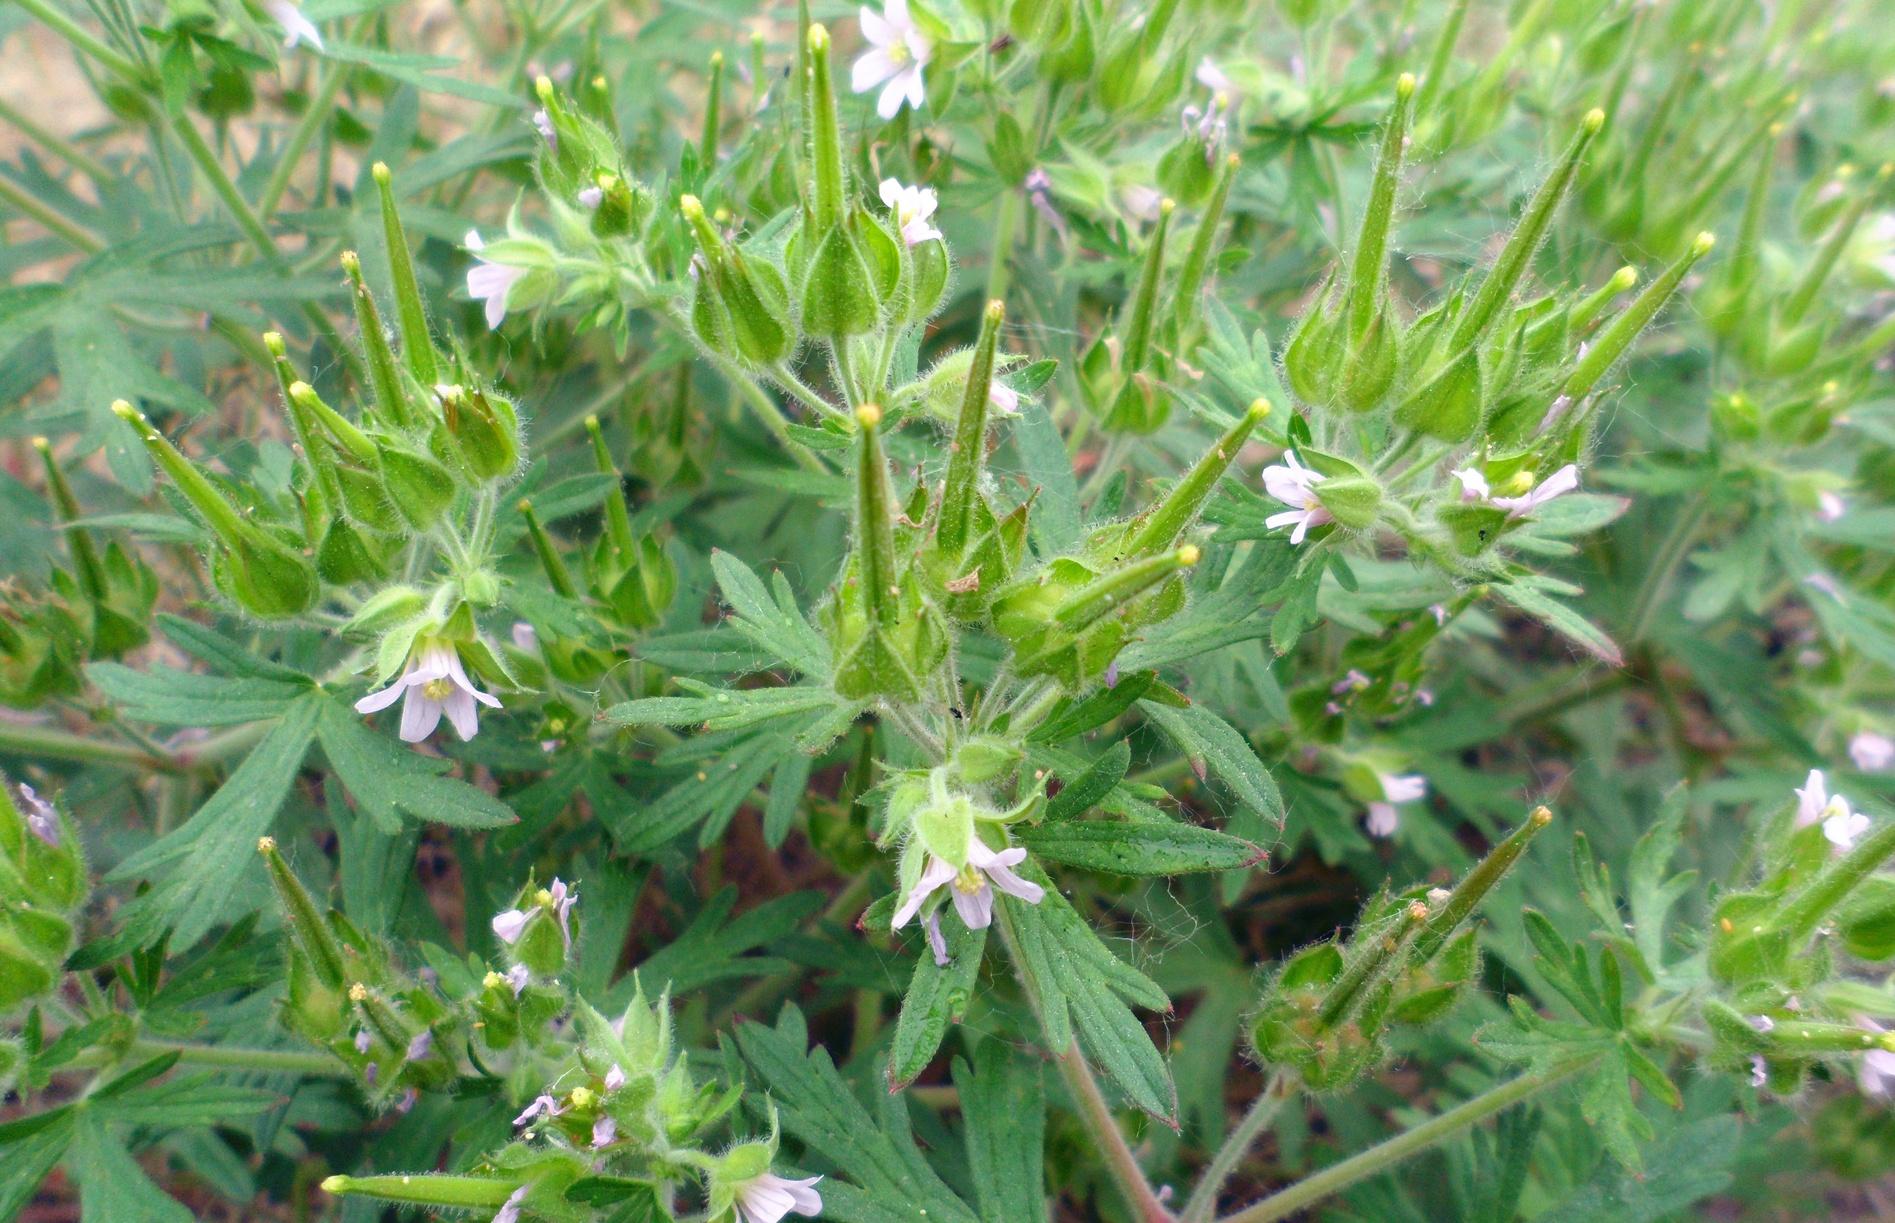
x,y
769,1198
1295,485
489,282
296,27
911,206
1474,488
1814,803
897,53
973,897
435,683
1384,815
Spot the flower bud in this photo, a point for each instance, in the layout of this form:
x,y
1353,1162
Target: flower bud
x,y
1448,405
1352,501
484,430
419,487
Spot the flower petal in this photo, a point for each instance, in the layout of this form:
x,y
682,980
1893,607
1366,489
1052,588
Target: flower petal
x,y
420,714
976,908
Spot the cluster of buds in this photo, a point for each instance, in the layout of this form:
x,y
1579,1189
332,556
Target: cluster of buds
x,y
612,1102
428,437
43,884
1504,384
1327,1012
1777,950
98,608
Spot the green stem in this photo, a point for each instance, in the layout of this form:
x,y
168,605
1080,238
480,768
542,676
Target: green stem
x,y
263,1061
312,121
65,149
82,39
53,221
1262,1111
1665,562
1094,1112
1379,1158
50,743
1006,223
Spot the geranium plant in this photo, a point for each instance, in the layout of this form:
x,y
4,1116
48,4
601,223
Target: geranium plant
x,y
972,611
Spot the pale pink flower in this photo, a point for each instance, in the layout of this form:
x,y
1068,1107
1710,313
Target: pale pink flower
x,y
1812,799
604,1130
434,684
542,1106
489,282
507,926
41,819
1474,487
1385,816
973,897
1843,826
1295,485
518,976
543,123
1003,398
1759,1074
770,1198
1212,77
296,27
911,206
1872,752
614,1078
1829,506
897,53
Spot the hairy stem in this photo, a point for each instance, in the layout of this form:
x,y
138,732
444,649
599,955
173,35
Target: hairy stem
x,y
1263,1110
1337,1177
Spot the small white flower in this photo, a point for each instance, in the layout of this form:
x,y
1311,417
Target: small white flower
x,y
434,684
1354,681
912,206
1212,77
489,282
770,1198
1763,1023
1474,487
604,1130
1759,1074
1383,820
525,637
561,898
1003,398
1385,816
296,27
973,898
542,1106
614,1078
1295,485
362,1041
1843,826
898,51
421,1045
1829,506
1142,201
1871,752
543,123
591,197
509,1211
518,976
